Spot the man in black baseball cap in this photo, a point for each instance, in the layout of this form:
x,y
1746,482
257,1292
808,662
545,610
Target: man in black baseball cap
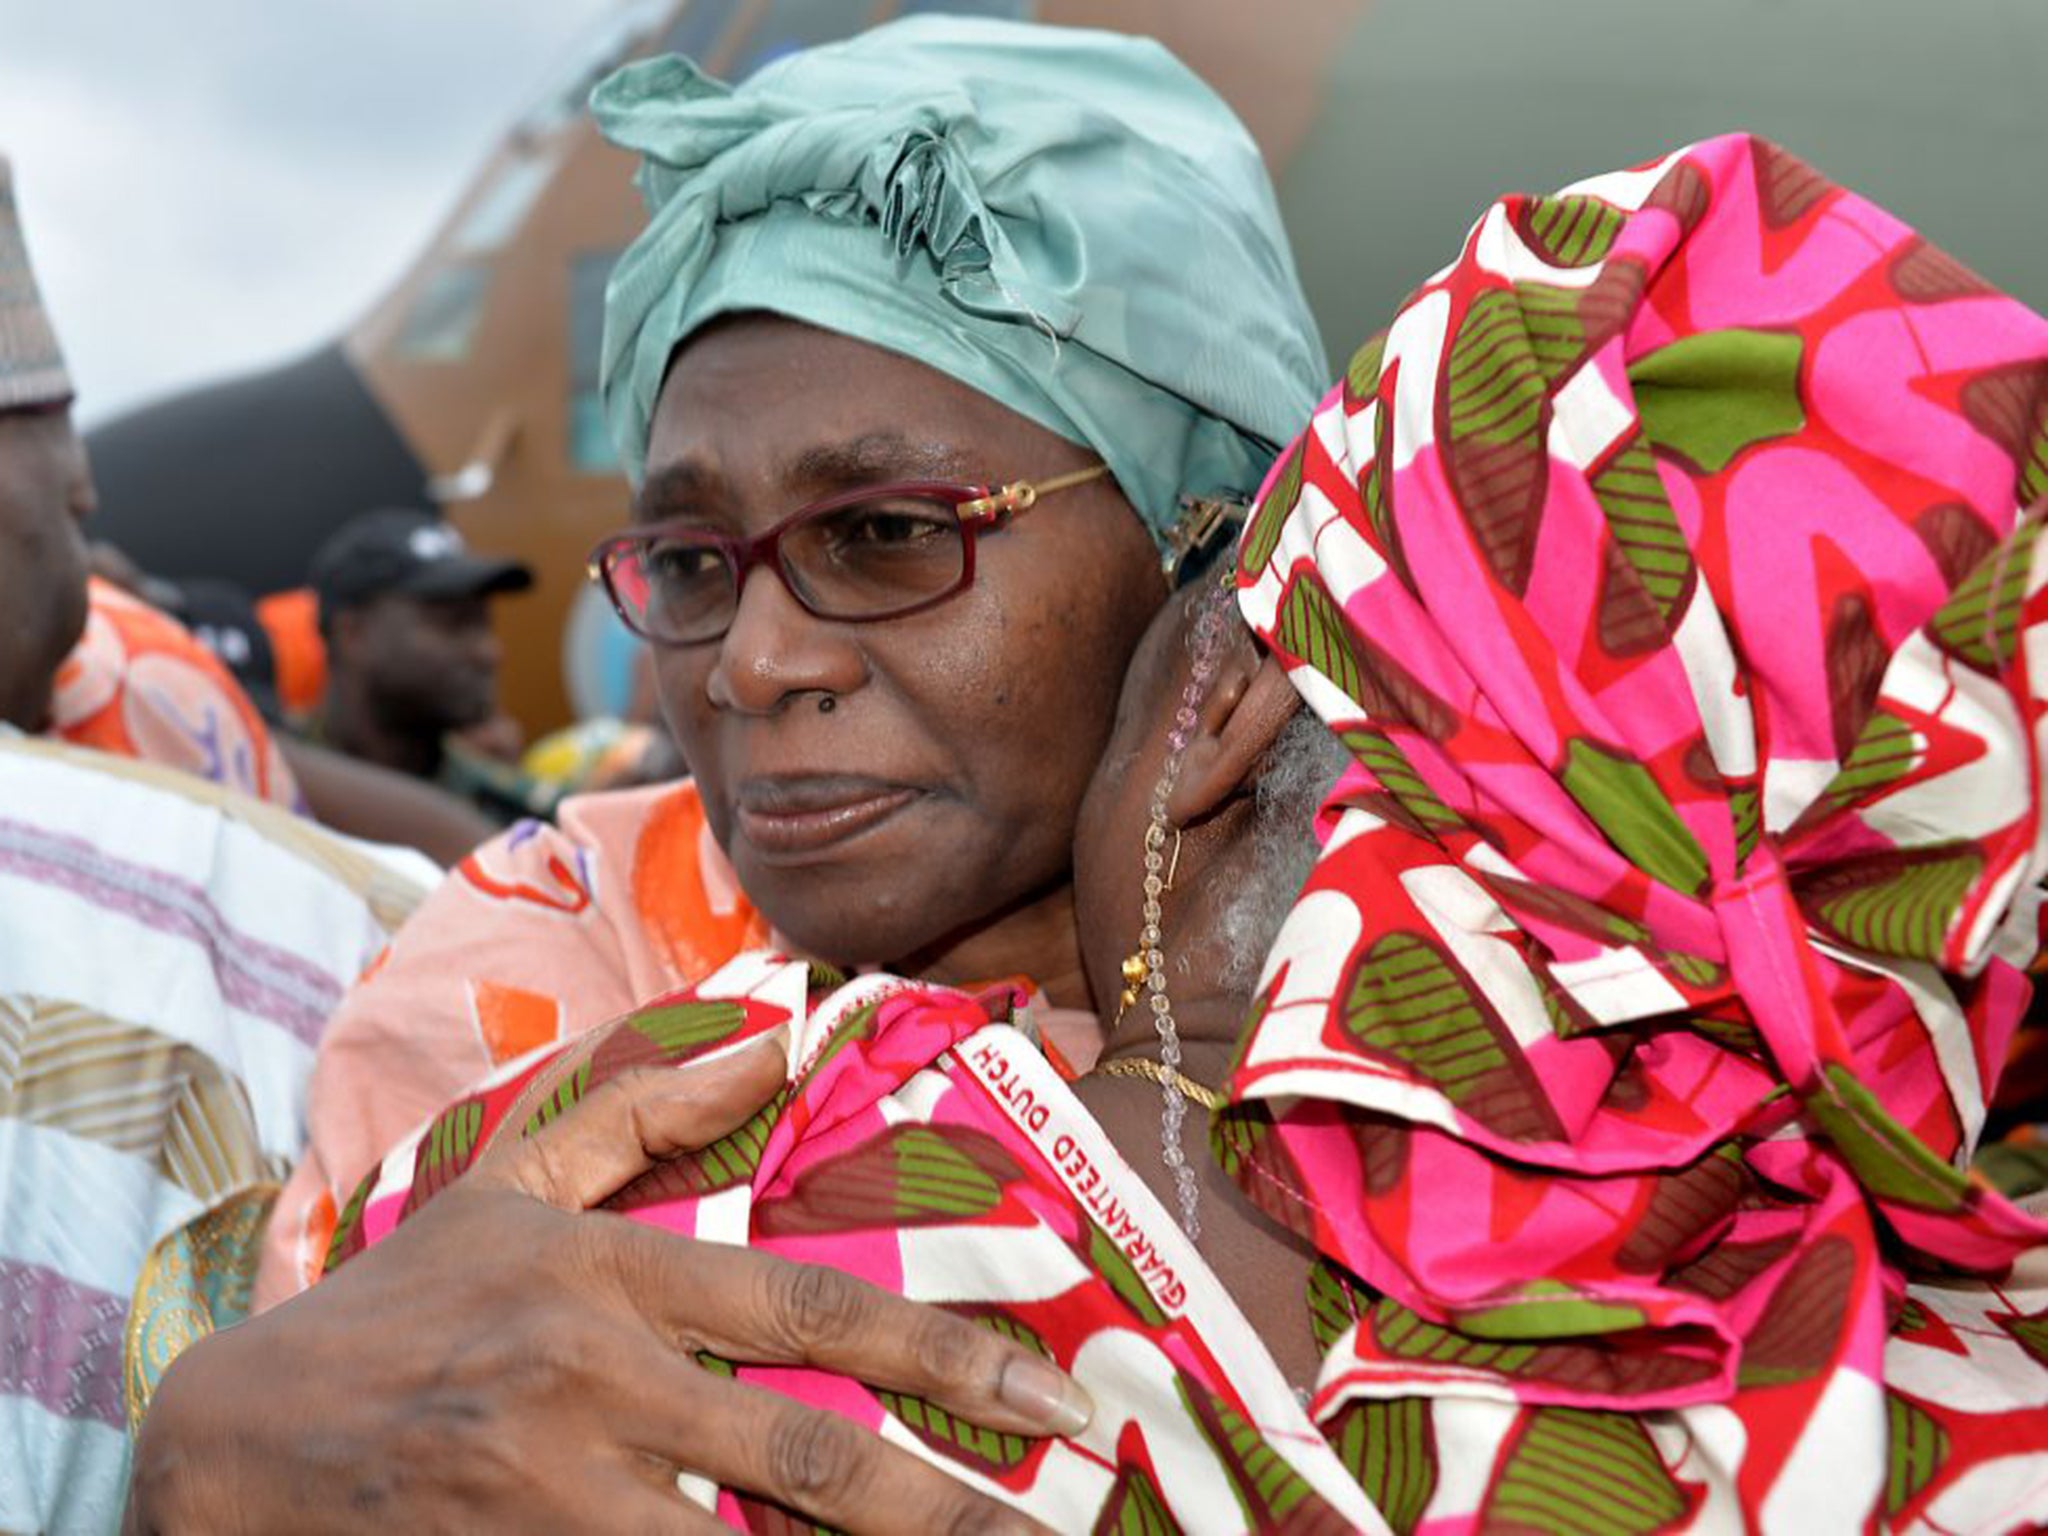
x,y
405,612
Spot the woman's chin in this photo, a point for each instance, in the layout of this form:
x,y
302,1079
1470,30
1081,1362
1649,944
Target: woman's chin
x,y
826,925
859,901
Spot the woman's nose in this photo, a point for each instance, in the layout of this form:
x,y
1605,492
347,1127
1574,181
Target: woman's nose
x,y
776,650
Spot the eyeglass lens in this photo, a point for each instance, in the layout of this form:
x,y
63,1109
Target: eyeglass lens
x,y
865,560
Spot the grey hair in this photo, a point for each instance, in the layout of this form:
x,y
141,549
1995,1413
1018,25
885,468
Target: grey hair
x,y
1301,765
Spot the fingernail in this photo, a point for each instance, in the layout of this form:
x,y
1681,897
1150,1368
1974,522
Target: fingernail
x,y
776,1039
690,1080
1045,1394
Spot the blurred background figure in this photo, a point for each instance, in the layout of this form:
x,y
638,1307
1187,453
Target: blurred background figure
x,y
92,650
223,618
291,623
80,658
220,615
412,660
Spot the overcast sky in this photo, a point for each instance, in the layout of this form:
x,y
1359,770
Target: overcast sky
x,y
209,185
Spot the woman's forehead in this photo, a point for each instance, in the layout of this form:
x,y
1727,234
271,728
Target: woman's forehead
x,y
764,396
783,357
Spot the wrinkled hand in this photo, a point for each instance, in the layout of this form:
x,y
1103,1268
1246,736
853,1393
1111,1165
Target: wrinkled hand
x,y
509,1359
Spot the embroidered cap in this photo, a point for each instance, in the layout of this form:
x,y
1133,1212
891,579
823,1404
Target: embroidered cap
x,y
32,369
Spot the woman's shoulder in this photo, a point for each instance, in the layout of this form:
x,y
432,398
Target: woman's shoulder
x,y
591,834
609,813
139,684
640,862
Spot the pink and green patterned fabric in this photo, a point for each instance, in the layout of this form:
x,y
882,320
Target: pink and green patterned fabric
x,y
1671,568
926,1145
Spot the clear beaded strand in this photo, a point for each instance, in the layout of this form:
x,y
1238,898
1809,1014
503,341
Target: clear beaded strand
x,y
1173,1108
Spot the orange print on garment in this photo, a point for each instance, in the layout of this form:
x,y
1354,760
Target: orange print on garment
x,y
567,891
312,1253
512,1021
139,685
687,897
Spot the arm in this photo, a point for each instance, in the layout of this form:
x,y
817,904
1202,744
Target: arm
x,y
507,1361
510,952
367,801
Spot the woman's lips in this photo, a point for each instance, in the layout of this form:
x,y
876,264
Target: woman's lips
x,y
794,819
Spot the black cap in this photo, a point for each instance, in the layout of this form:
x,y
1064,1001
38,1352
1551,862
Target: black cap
x,y
413,553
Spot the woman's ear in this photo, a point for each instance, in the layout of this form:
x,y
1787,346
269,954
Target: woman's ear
x,y
1247,706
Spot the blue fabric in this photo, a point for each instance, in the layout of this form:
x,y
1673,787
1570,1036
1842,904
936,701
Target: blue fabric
x,y
1069,222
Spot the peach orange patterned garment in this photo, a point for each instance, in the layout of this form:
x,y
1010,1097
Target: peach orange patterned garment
x,y
536,937
139,685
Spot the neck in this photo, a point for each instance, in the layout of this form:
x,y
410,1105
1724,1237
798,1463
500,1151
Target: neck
x,y
350,723
1035,939
1263,1266
1208,1030
1208,1015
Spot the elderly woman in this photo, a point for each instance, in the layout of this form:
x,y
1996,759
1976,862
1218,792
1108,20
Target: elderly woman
x,y
881,281
928,339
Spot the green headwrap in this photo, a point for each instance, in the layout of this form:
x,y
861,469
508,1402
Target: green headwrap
x,y
1069,222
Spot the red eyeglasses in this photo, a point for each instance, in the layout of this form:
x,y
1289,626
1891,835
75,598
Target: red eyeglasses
x,y
880,552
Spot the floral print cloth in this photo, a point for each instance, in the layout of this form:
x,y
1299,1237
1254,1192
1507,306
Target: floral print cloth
x,y
139,685
543,933
1671,569
926,1146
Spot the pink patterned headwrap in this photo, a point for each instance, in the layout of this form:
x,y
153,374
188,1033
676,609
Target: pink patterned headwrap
x,y
1667,568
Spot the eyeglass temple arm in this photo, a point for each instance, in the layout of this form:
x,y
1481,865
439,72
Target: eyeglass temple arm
x,y
1018,496
1021,495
